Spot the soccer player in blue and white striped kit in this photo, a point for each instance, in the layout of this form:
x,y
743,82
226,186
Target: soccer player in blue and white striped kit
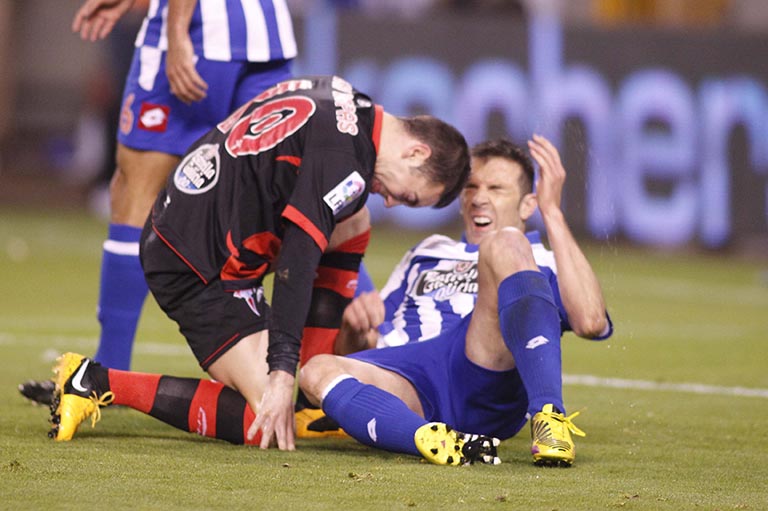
x,y
490,310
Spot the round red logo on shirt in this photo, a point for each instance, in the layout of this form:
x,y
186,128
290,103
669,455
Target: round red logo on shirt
x,y
268,125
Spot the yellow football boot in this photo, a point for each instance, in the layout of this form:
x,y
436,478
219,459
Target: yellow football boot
x,y
552,444
75,398
442,445
313,423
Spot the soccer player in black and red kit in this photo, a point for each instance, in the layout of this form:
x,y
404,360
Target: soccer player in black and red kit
x,y
279,186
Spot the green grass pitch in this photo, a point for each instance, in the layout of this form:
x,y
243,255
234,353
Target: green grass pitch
x,y
675,405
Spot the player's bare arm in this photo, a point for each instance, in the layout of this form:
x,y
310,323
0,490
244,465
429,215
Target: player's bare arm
x,y
186,83
359,323
579,288
95,19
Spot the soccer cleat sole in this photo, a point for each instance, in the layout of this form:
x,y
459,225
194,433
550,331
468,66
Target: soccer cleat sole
x,y
38,392
442,445
561,455
552,463
66,364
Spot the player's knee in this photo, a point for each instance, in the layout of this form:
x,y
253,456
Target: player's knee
x,y
314,376
507,248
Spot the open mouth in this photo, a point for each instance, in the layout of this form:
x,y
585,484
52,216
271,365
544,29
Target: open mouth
x,y
481,221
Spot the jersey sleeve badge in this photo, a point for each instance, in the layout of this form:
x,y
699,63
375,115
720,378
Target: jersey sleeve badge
x,y
199,171
345,192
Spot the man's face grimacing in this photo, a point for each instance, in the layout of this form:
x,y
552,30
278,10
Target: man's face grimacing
x,y
492,198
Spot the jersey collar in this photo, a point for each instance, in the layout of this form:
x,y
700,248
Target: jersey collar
x,y
378,117
534,237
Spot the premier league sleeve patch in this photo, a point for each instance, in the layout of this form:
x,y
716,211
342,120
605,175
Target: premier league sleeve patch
x,y
345,192
199,171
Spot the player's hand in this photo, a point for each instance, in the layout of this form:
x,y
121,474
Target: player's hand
x,y
549,188
95,19
363,314
186,83
275,417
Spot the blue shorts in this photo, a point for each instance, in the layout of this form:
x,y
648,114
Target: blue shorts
x,y
454,390
153,119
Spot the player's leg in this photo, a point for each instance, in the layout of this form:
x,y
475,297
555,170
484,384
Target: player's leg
x,y
364,281
516,324
227,334
375,406
216,409
382,409
139,176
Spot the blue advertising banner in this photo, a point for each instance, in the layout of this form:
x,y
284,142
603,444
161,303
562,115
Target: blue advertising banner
x,y
664,133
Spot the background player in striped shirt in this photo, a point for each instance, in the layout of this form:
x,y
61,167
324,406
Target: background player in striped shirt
x,y
491,309
194,63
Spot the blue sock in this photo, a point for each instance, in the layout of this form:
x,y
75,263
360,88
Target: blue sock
x,y
373,416
121,296
364,282
530,325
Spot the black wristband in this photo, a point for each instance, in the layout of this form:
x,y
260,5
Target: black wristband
x,y
283,352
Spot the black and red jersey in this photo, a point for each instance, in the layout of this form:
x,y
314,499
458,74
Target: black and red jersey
x,y
302,151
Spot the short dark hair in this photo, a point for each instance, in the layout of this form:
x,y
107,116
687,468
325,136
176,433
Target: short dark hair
x,y
448,164
504,148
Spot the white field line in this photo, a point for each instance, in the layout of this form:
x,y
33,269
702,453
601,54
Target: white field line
x,y
691,388
708,293
60,343
64,342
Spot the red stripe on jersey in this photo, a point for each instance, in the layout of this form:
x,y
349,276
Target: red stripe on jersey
x,y
343,282
293,160
204,407
264,243
204,364
306,225
136,390
248,418
316,341
355,245
178,254
378,118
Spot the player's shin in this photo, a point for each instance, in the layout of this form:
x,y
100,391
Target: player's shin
x,y
372,416
121,296
530,326
205,407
